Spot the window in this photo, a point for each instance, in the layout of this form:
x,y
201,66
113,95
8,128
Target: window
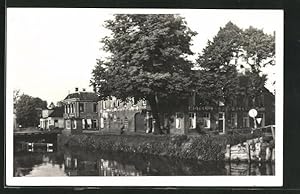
x,y
179,117
74,124
221,116
94,124
81,107
55,123
233,120
83,124
192,120
245,120
205,116
126,123
68,124
71,109
89,123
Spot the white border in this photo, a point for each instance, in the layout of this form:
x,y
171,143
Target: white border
x,y
209,181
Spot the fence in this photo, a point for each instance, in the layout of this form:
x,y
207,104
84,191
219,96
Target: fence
x,y
258,149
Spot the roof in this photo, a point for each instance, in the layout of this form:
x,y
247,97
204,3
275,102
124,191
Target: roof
x,y
88,96
57,112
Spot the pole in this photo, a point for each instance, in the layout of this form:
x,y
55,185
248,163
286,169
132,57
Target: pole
x,y
254,120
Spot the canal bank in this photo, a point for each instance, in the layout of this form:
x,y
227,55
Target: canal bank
x,y
200,147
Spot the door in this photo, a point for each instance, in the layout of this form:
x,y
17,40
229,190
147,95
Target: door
x,y
139,122
221,123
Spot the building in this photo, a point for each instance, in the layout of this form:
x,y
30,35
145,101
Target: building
x,y
114,114
234,115
52,118
189,116
80,111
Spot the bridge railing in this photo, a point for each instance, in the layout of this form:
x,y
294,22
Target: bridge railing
x,y
268,130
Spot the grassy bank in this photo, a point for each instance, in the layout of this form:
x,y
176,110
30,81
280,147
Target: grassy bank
x,y
201,147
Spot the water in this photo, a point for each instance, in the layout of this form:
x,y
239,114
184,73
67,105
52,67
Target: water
x,y
68,162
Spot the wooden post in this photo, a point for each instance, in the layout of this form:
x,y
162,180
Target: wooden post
x,y
228,153
258,150
268,153
273,155
248,151
273,132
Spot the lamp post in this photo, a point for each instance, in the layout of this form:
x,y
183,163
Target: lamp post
x,y
253,113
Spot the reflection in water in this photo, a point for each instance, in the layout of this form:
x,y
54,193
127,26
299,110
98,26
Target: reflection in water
x,y
83,163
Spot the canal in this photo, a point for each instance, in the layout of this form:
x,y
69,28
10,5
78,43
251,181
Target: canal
x,y
68,162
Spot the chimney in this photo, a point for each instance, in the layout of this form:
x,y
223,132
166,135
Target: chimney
x,y
76,89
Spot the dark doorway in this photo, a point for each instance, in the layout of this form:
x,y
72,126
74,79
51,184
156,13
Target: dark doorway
x,y
139,122
221,123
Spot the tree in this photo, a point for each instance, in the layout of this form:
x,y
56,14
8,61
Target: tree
x,y
16,96
259,48
28,109
219,79
148,60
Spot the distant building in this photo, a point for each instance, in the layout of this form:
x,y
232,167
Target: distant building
x,y
114,114
80,111
52,118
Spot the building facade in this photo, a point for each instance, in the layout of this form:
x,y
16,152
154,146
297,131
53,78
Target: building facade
x,y
234,115
114,114
52,118
187,117
80,111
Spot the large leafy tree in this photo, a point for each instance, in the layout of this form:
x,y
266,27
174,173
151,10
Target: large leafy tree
x,y
233,48
28,109
148,60
259,48
217,79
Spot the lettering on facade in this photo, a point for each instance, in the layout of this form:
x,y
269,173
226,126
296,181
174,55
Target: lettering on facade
x,y
222,108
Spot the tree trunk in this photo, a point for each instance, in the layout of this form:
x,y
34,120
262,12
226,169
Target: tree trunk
x,y
155,113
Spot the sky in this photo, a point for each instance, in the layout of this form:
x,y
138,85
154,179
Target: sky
x,y
50,51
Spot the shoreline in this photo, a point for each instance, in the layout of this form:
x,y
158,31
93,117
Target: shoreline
x,y
200,147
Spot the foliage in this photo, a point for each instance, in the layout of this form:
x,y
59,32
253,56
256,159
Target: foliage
x,y
148,60
219,78
258,48
28,109
202,147
16,95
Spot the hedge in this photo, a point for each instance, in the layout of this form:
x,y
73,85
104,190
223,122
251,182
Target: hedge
x,y
201,147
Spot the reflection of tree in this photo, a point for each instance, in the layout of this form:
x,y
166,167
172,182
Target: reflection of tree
x,y
122,164
84,163
24,162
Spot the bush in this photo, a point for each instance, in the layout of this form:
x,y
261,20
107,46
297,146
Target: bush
x,y
201,147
